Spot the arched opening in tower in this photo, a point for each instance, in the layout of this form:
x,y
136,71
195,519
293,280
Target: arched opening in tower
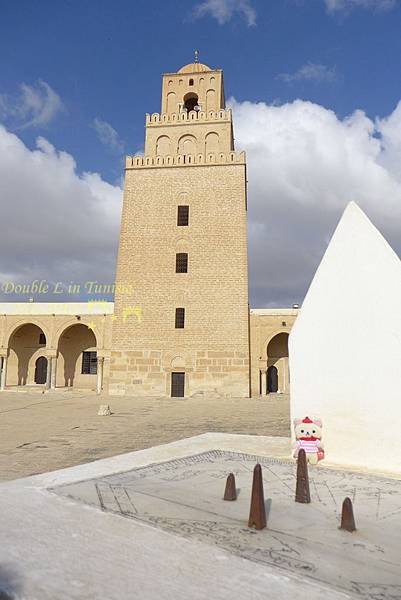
x,y
191,102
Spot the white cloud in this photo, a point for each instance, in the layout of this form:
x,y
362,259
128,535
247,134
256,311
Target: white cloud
x,y
311,72
304,165
57,224
346,5
224,10
108,135
34,106
390,131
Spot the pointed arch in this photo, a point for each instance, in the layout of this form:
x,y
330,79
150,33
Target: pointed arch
x,y
277,374
26,345
24,322
77,357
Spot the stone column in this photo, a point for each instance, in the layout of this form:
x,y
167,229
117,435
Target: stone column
x,y
48,373
53,372
3,374
282,367
99,385
264,382
286,376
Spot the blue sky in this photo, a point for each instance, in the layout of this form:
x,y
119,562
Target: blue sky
x,y
105,59
92,69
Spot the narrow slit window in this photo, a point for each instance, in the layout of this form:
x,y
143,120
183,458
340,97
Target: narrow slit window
x,y
183,216
179,318
181,262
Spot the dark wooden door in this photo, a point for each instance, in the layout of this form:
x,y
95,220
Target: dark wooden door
x,y
177,385
41,370
272,379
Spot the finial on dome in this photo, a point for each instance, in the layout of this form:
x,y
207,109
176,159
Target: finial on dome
x,y
196,56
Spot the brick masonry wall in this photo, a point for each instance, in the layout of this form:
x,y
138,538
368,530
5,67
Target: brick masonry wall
x,y
212,349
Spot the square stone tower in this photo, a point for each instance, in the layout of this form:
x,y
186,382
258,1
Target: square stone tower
x,y
181,322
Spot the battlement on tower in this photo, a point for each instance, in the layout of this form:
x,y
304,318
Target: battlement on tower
x,y
182,160
183,117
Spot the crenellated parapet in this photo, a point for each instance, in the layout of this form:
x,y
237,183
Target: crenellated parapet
x,y
182,160
192,116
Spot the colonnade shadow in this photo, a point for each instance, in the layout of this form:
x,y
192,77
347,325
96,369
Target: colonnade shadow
x,y
25,342
28,362
75,340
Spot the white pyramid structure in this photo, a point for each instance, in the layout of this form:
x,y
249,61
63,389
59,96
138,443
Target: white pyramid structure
x,y
345,348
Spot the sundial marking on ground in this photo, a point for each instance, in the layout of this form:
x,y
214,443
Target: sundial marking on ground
x,y
184,496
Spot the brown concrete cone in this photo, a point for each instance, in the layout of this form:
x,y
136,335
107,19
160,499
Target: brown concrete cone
x,y
302,493
347,516
257,513
230,491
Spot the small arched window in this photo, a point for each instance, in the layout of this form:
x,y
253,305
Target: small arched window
x,y
191,82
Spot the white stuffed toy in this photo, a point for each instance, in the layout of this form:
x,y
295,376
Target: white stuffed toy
x,y
308,435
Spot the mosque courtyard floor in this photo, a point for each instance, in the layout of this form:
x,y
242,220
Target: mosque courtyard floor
x,y
45,432
148,520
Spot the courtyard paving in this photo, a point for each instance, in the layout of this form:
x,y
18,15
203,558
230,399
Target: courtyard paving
x,y
44,432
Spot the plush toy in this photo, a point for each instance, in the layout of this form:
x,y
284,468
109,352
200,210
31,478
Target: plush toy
x,y
308,435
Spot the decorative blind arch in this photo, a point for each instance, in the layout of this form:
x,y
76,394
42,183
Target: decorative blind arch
x,y
187,144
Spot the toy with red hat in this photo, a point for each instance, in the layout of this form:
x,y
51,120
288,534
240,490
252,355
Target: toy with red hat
x,y
308,436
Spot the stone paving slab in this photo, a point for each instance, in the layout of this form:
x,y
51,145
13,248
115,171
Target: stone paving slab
x,y
184,497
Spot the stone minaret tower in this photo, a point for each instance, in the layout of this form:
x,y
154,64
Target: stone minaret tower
x,y
181,302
